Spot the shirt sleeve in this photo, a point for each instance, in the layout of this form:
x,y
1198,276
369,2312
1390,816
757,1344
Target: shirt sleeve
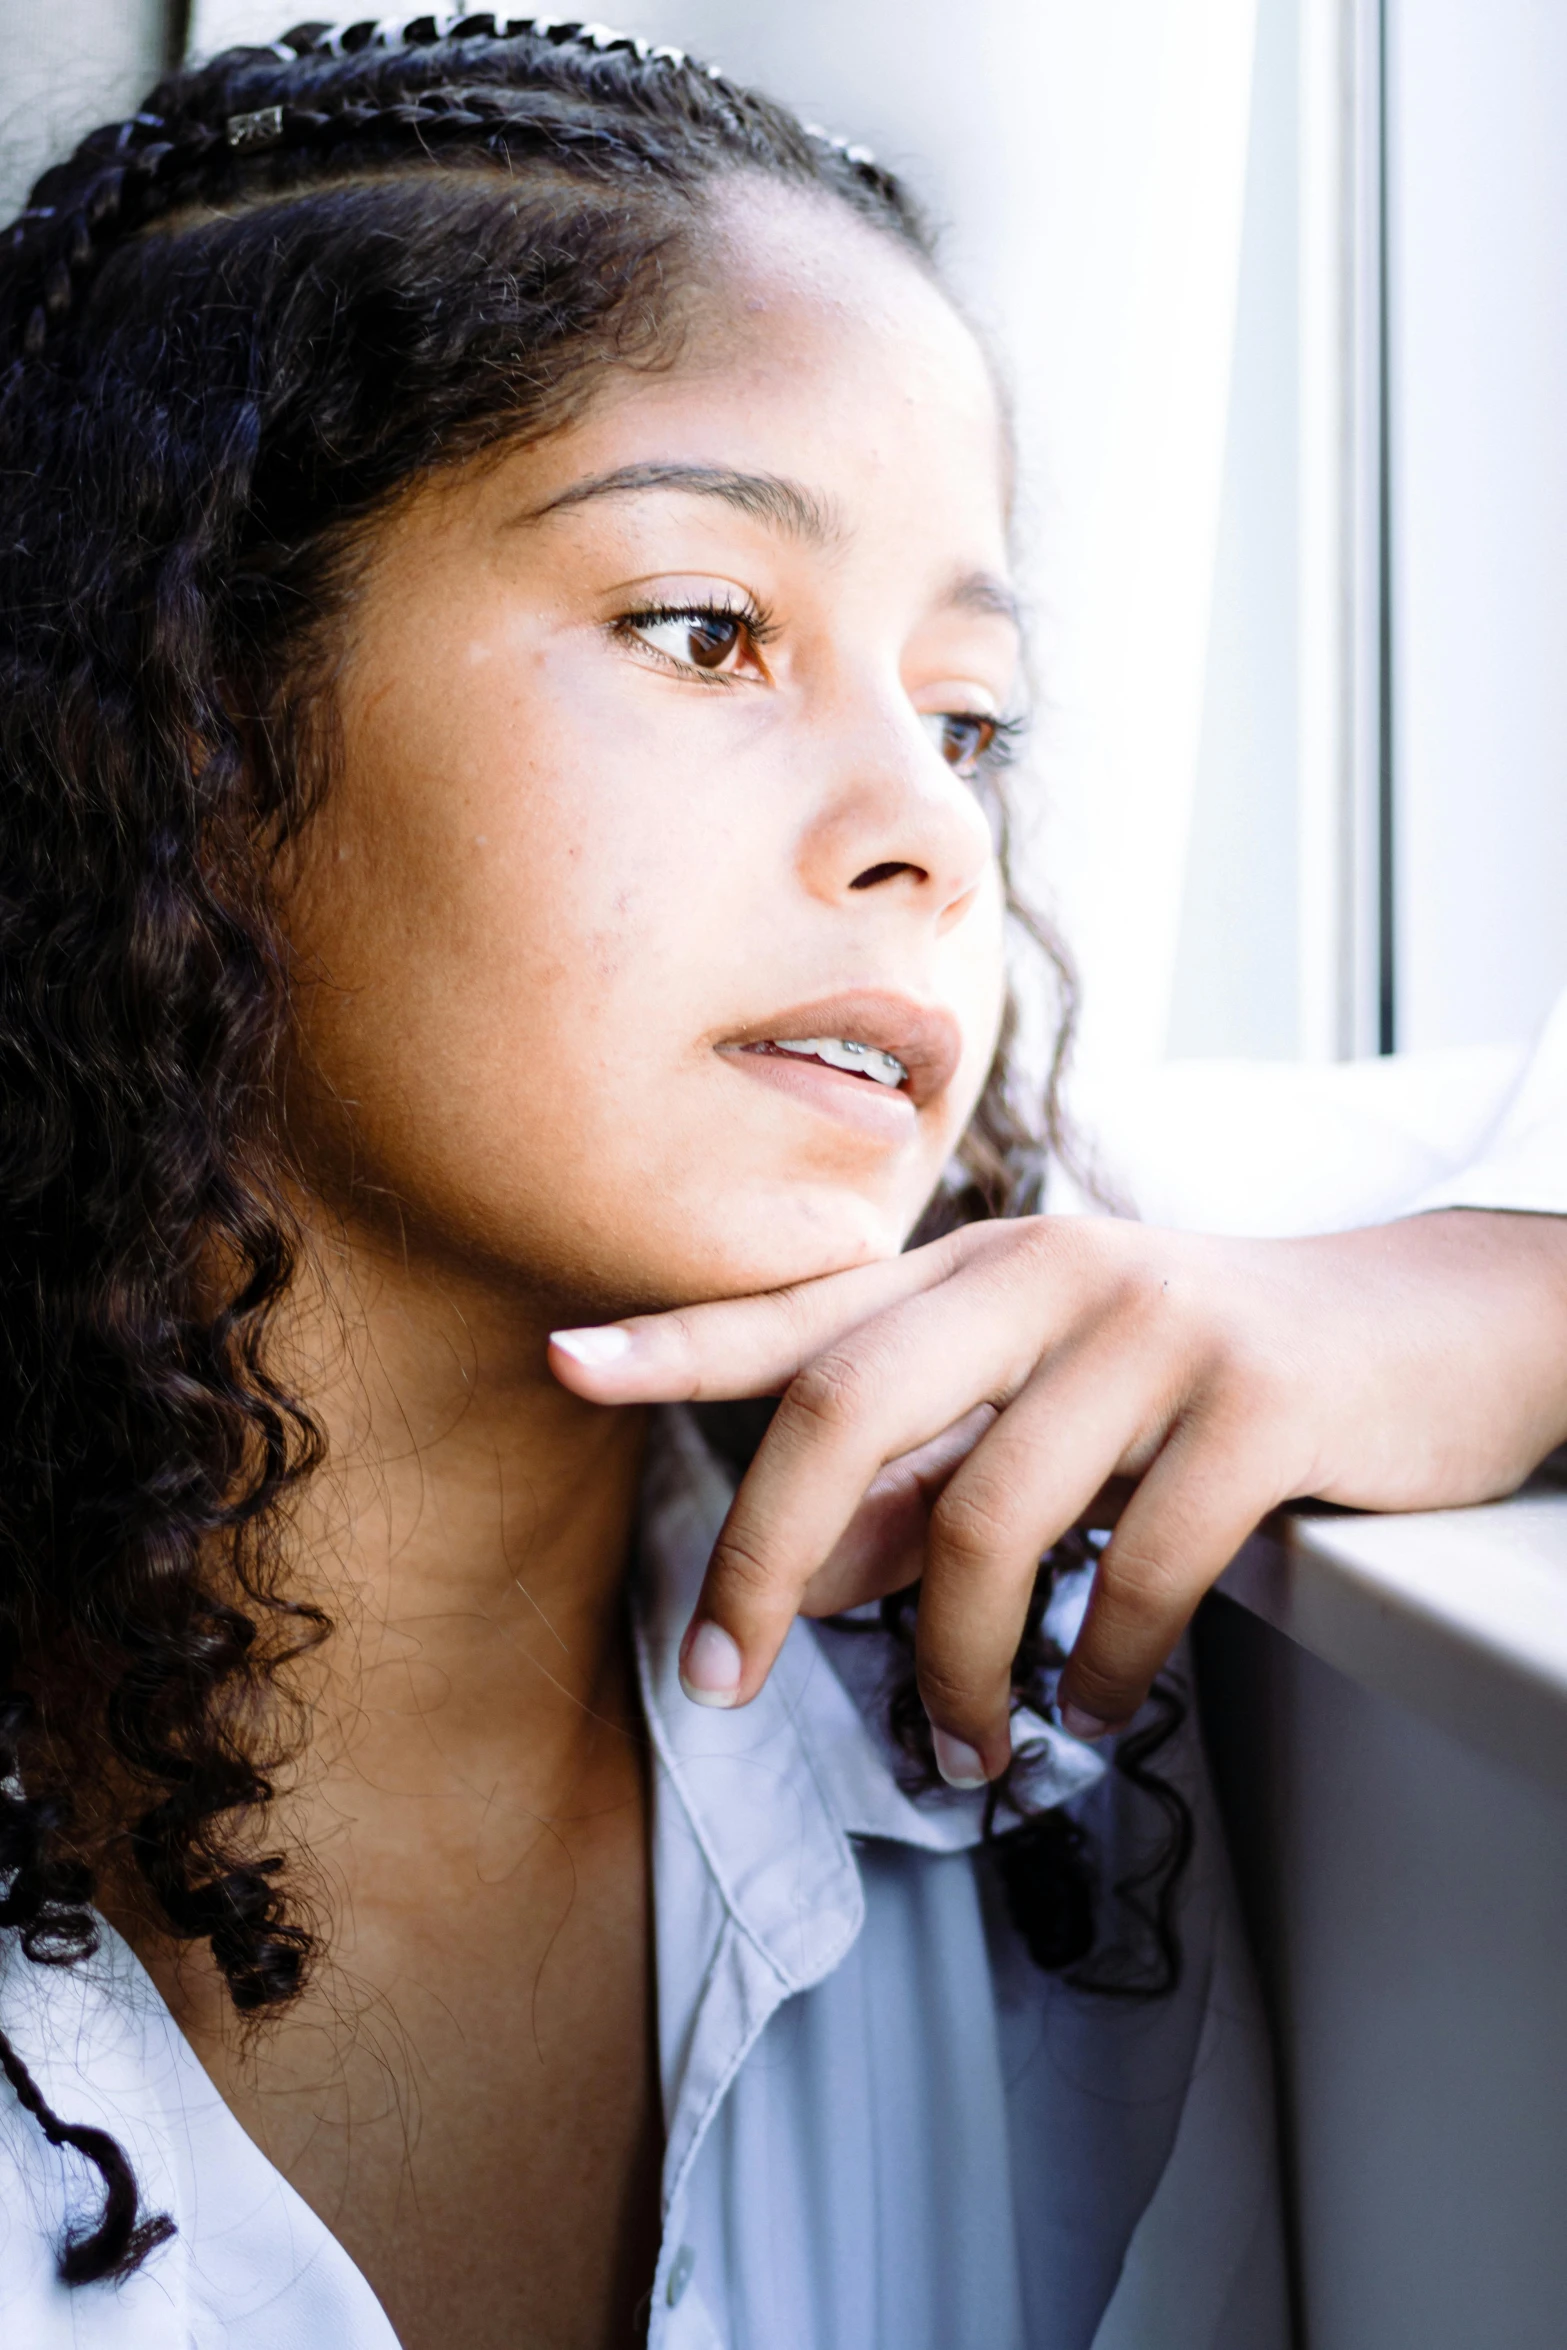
x,y
1522,1164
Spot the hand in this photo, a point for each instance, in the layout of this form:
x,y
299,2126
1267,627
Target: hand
x,y
963,1406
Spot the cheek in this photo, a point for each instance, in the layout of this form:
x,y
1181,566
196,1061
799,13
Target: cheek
x,y
515,911
532,905
520,833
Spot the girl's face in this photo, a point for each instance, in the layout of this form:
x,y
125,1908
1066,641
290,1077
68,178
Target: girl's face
x,y
659,750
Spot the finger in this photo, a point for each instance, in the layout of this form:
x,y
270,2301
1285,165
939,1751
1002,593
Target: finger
x,y
1207,1490
895,1384
1107,1505
737,1346
882,1549
1022,1486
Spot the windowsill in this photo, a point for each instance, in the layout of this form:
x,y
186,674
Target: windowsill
x,y
1461,1615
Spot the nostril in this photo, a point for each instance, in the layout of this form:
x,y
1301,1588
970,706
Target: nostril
x,y
877,873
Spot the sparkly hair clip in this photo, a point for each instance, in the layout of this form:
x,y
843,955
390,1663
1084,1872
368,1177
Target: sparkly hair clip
x,y
263,128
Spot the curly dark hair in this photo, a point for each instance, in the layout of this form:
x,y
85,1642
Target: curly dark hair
x,y
232,330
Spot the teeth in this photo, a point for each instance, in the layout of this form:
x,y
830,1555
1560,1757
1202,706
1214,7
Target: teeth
x,y
846,1052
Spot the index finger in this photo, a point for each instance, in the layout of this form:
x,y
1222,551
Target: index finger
x,y
737,1346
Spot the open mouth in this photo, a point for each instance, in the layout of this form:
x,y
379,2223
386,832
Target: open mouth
x,y
848,1053
904,1053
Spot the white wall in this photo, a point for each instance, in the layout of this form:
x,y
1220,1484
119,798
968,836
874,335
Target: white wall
x,y
1478,121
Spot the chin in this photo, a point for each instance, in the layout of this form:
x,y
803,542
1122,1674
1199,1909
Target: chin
x,y
770,1241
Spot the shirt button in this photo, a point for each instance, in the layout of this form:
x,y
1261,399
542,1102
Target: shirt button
x,y
680,2274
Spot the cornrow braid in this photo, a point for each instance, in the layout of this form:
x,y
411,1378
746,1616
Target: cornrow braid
x,y
110,187
127,175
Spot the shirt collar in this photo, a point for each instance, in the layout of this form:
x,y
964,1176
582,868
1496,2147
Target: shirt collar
x,y
775,1790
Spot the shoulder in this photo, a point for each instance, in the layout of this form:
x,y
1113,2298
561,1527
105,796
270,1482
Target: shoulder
x,y
92,2035
249,2264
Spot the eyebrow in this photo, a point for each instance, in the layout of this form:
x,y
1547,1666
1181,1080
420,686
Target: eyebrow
x,y
770,498
982,591
765,497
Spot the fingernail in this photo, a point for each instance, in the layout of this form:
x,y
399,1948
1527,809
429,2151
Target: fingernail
x,y
593,1348
1079,1724
710,1668
960,1764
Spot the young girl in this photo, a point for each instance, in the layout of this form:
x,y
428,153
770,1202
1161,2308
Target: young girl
x,y
507,649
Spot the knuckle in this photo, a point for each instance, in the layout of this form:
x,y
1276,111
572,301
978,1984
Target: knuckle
x,y
1094,1249
972,1519
1236,1460
679,1341
1099,1271
948,1254
831,1394
1140,1296
1017,1256
1040,1243
1146,1582
1252,1389
952,1696
740,1564
1100,1689
796,1310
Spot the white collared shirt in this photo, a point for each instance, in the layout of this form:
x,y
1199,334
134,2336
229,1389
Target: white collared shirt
x,y
886,2128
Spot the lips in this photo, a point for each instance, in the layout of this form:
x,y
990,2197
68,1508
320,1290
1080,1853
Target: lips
x,y
924,1037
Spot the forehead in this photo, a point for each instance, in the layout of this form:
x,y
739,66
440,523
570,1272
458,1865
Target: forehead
x,y
772,257
812,310
814,348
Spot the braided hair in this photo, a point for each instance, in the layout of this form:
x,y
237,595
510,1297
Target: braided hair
x,y
232,329
603,105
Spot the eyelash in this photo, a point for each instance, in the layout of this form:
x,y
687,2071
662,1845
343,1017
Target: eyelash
x,y
1005,742
760,627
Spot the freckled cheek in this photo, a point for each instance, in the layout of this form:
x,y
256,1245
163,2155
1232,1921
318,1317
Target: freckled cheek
x,y
585,926
543,877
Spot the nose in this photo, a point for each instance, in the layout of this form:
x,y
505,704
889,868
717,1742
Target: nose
x,y
894,820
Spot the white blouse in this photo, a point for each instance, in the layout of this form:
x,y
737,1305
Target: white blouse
x,y
886,2128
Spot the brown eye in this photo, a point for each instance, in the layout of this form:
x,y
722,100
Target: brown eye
x,y
962,738
711,638
694,640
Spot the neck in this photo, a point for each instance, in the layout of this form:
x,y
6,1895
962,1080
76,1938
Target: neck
x,y
473,1526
